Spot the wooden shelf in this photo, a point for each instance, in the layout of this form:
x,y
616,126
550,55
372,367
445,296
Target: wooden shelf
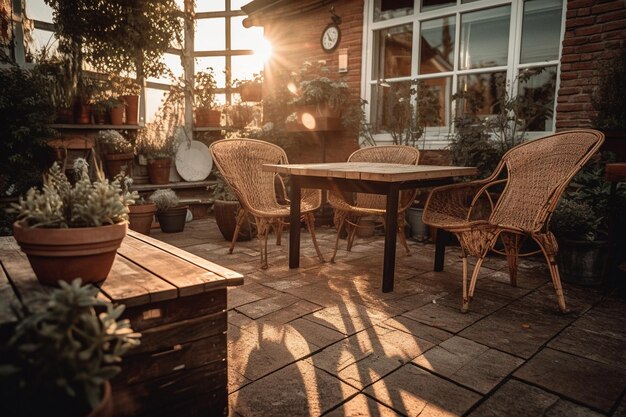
x,y
173,185
213,129
74,126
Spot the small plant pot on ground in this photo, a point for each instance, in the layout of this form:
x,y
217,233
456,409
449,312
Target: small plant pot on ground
x,y
583,262
68,253
419,231
226,219
140,217
173,220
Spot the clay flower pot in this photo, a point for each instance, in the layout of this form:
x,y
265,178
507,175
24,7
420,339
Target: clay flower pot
x,y
173,220
159,170
105,408
207,117
65,254
116,161
132,108
140,217
116,114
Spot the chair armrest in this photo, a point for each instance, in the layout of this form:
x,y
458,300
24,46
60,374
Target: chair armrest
x,y
452,205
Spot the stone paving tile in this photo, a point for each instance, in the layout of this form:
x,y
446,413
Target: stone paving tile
x,y
348,317
266,306
292,312
248,293
318,293
544,301
236,380
443,317
525,279
515,332
483,302
588,382
470,364
413,391
367,356
517,399
407,325
316,334
299,389
362,406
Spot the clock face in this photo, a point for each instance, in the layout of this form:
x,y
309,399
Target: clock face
x,y
330,38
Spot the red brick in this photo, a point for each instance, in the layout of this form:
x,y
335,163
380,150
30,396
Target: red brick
x,y
569,107
594,47
584,11
568,91
615,25
570,58
609,17
618,35
610,6
588,30
580,21
575,41
576,4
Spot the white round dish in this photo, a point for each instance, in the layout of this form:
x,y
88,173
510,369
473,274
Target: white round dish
x,y
193,161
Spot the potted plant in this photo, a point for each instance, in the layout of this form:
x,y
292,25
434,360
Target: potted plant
x,y
240,115
117,151
226,207
66,347
170,213
580,224
250,90
129,93
205,110
85,91
69,231
140,212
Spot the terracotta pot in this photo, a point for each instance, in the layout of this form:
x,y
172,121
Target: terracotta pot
x,y
82,113
99,116
116,114
251,92
226,219
140,217
132,108
116,161
65,254
173,220
140,173
105,408
159,170
208,118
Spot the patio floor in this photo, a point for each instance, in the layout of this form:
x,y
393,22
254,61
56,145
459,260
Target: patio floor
x,y
324,340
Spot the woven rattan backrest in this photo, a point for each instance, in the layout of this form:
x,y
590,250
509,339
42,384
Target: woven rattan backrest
x,y
392,154
538,172
240,162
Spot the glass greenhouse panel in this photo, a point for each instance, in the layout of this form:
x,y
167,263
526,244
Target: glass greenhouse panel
x,y
394,46
541,30
244,38
154,99
245,66
210,35
388,9
428,5
38,10
437,45
218,63
173,63
484,89
485,38
210,5
537,94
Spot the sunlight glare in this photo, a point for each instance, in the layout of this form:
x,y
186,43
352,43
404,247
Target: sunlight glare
x,y
263,50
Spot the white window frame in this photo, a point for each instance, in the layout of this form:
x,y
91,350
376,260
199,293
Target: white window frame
x,y
438,138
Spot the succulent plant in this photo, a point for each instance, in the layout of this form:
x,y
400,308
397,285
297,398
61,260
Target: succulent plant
x,y
164,199
85,204
114,142
65,346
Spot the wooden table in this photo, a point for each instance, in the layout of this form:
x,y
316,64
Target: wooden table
x,y
176,300
365,177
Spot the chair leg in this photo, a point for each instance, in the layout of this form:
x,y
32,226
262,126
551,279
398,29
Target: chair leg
x,y
477,243
352,233
241,216
512,243
263,227
278,229
401,235
309,219
340,222
549,247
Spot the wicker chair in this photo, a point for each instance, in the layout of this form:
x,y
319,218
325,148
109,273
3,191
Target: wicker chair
x,y
537,173
363,204
240,162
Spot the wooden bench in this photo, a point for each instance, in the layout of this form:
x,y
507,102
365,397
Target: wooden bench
x,y
176,300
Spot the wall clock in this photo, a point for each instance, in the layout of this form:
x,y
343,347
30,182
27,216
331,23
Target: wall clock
x,y
330,37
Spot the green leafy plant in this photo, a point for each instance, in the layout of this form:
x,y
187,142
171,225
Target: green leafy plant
x,y
164,199
608,98
59,204
66,344
220,190
113,142
204,89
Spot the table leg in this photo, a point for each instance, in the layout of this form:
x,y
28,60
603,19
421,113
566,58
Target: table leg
x,y
391,233
294,222
440,249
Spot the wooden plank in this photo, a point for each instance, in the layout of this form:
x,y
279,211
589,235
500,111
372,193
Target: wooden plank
x,y
231,277
139,368
169,311
9,299
132,285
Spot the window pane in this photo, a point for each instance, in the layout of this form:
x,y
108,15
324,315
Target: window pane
x,y
480,93
536,90
244,38
154,98
393,47
218,63
210,35
38,10
434,105
236,4
173,63
388,9
437,45
436,4
485,38
541,30
42,39
210,5
245,66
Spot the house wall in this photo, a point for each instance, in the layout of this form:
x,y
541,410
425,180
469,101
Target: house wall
x,y
296,39
594,33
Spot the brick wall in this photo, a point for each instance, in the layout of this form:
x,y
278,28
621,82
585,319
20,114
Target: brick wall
x,y
295,39
594,33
